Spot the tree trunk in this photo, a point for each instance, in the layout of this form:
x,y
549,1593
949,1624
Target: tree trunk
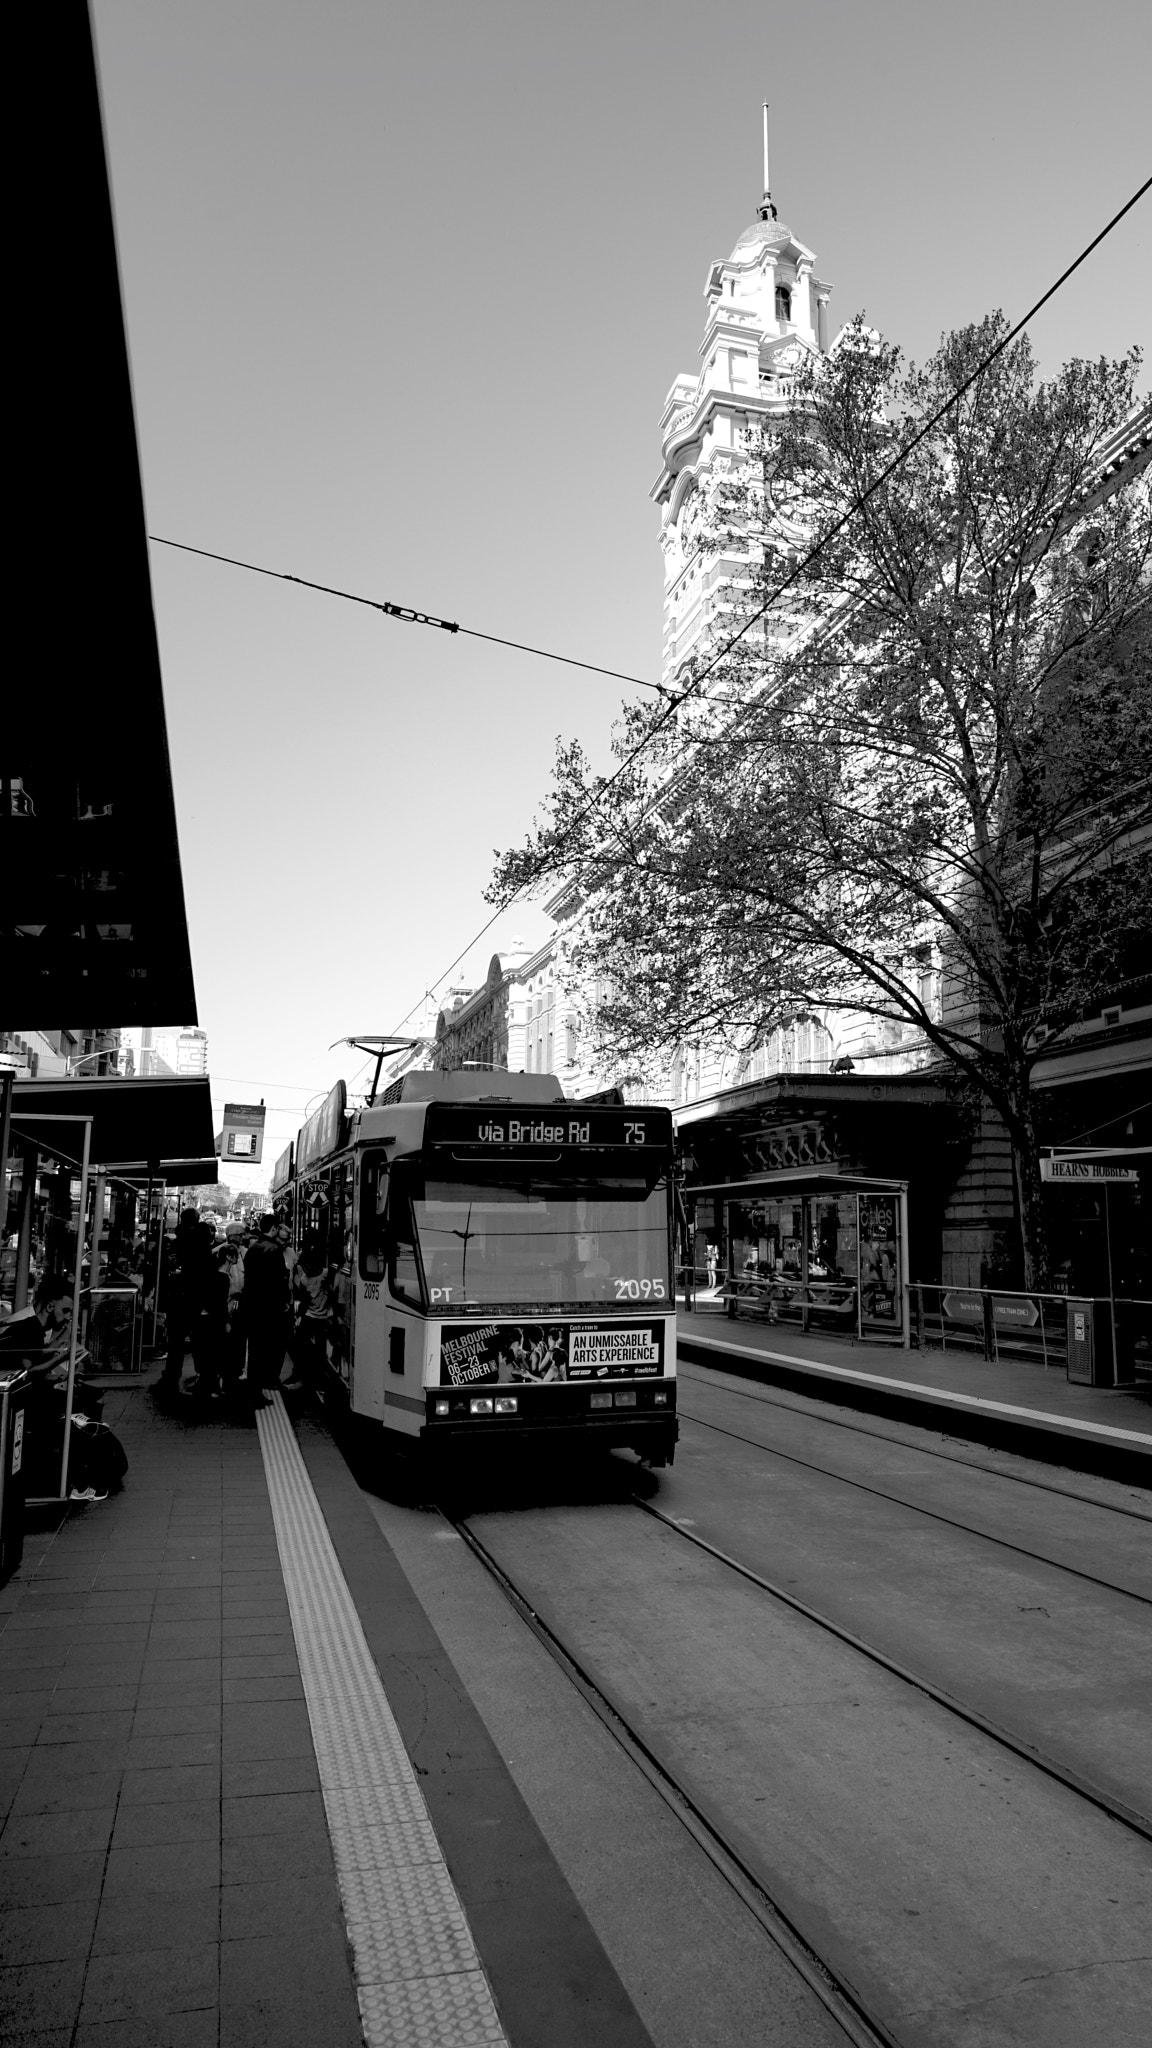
x,y
1026,1173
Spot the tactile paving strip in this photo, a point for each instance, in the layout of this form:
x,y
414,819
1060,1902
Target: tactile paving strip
x,y
419,1979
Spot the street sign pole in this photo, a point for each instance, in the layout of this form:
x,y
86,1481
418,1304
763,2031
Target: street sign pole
x,y
81,1219
1111,1288
903,1251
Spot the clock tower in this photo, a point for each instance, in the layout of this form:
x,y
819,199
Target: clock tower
x,y
766,309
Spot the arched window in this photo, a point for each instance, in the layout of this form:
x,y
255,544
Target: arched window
x,y
783,302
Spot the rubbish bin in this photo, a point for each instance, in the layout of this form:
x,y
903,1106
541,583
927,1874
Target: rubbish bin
x,y
13,1390
1092,1360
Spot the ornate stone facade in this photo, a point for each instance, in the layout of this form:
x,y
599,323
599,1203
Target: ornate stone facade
x,y
766,309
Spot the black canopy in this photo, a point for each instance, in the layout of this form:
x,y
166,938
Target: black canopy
x,y
133,1122
93,922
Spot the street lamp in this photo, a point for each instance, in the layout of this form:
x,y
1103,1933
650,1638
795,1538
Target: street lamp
x,y
106,1052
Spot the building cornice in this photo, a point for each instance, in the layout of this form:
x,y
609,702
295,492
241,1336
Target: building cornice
x,y
762,402
729,321
763,256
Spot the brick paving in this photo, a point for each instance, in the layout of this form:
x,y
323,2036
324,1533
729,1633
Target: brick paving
x,y
166,1879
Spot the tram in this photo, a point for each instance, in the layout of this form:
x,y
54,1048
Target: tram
x,y
498,1261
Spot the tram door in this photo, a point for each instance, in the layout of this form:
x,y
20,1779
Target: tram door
x,y
325,1244
388,1361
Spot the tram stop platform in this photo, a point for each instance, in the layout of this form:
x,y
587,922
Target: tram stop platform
x,y
245,1799
1009,1406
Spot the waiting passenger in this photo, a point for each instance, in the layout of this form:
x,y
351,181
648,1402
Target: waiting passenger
x,y
31,1332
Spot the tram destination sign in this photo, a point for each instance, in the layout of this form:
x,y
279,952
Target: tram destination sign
x,y
495,1130
540,1354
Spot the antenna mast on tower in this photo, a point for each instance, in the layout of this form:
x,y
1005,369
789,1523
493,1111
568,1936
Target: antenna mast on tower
x,y
766,209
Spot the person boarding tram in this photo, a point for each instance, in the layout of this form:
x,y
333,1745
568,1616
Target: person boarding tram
x,y
264,1307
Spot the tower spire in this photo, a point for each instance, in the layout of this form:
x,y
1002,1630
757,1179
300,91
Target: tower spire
x,y
766,210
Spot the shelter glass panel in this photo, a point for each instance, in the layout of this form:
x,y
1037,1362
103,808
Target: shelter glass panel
x,y
880,1260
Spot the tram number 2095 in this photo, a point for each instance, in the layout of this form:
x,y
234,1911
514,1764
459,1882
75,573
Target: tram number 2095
x,y
371,1290
639,1290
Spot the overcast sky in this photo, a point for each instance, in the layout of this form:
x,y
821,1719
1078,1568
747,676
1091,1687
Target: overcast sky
x,y
406,285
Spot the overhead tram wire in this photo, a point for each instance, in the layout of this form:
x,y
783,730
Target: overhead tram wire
x,y
692,688
406,614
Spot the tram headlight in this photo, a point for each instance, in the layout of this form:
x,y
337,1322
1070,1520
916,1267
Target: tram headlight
x,y
442,1408
625,1400
598,1399
481,1404
660,1398
507,1404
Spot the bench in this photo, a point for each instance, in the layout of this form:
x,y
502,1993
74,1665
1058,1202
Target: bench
x,y
796,1300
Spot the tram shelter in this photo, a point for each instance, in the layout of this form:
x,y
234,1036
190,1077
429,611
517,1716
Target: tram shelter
x,y
69,1195
85,1150
810,1246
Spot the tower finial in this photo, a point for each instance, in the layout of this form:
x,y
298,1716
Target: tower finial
x,y
766,209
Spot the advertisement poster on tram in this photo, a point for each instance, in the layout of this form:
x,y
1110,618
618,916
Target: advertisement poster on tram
x,y
540,1354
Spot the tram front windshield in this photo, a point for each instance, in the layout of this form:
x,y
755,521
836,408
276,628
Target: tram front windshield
x,y
526,1241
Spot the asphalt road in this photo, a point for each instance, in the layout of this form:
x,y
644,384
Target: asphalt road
x,y
962,1894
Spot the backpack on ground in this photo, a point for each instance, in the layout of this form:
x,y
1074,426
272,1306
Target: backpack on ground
x,y
96,1459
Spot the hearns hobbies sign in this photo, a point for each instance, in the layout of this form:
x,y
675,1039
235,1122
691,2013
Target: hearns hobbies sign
x,y
1087,1172
539,1354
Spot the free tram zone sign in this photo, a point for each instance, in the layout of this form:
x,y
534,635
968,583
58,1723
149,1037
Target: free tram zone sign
x,y
477,1354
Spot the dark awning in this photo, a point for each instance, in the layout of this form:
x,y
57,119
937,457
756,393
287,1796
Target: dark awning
x,y
93,922
800,1180
811,1094
154,1118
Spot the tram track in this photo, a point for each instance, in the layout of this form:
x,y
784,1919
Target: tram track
x,y
915,1508
835,1992
832,1985
809,1414
1129,1817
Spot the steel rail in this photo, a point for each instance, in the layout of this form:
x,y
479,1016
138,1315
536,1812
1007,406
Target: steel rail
x,y
759,1393
846,2007
1128,1816
914,1508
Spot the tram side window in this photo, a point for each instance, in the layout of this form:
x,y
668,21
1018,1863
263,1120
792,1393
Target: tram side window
x,y
342,1218
387,1233
373,1218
